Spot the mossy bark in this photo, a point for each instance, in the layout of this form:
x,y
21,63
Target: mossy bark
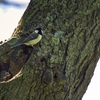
x,y
63,66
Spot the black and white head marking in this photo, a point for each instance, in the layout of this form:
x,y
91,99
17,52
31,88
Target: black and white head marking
x,y
38,31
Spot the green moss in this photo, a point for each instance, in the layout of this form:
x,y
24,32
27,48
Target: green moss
x,y
12,41
50,25
58,34
48,18
55,41
53,59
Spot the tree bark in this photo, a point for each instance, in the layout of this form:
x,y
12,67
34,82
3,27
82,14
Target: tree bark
x,y
63,63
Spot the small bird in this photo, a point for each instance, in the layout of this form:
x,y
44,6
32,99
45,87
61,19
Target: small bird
x,y
32,39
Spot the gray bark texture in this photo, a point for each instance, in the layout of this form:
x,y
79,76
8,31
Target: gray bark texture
x,y
61,65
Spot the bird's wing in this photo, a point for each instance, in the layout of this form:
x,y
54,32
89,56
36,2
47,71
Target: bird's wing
x,y
30,37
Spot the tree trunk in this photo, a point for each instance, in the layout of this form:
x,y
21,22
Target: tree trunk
x,y
63,63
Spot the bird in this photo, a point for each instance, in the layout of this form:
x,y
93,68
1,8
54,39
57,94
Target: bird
x,y
32,39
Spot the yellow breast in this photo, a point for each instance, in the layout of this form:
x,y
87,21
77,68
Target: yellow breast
x,y
34,41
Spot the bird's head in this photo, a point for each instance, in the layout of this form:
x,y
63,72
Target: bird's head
x,y
38,30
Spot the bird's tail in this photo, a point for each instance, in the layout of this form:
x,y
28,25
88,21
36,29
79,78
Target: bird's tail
x,y
16,45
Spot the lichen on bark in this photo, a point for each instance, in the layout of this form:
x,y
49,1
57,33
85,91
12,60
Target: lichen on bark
x,y
64,62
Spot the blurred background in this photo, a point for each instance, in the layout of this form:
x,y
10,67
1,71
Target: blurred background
x,y
10,14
